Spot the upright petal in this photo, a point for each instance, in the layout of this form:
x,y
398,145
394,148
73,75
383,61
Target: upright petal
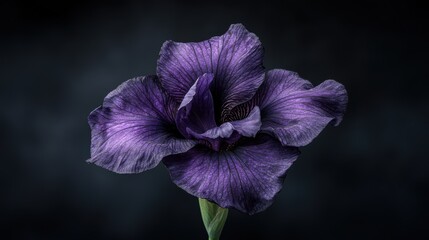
x,y
134,128
234,58
293,110
246,178
196,112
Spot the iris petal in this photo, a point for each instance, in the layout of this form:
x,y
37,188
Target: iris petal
x,y
196,110
134,128
246,178
293,110
234,58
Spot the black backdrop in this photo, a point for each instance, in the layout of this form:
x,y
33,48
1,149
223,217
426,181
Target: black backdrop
x,y
366,179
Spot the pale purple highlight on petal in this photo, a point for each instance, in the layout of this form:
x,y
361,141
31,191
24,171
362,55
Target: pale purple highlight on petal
x,y
247,127
223,131
246,178
250,125
134,128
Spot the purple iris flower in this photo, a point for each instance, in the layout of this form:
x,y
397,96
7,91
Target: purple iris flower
x,y
226,129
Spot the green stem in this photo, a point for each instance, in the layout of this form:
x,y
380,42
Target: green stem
x,y
214,218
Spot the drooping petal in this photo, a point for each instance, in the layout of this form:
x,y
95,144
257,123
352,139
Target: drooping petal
x,y
293,110
196,111
134,128
234,58
246,178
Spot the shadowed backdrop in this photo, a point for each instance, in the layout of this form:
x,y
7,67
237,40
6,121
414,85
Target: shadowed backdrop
x,y
365,179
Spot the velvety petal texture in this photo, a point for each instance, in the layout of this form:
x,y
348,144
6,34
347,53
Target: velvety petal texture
x,y
293,110
226,130
134,128
246,178
235,59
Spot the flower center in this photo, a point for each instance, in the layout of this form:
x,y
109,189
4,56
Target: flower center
x,y
195,119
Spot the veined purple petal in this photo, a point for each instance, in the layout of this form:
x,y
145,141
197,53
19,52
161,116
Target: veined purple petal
x,y
247,127
196,111
134,128
246,178
234,58
293,110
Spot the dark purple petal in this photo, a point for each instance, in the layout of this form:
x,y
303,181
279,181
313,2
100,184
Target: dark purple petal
x,y
196,111
246,178
134,128
293,110
234,58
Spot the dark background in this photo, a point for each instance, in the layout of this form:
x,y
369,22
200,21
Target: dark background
x,y
366,179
